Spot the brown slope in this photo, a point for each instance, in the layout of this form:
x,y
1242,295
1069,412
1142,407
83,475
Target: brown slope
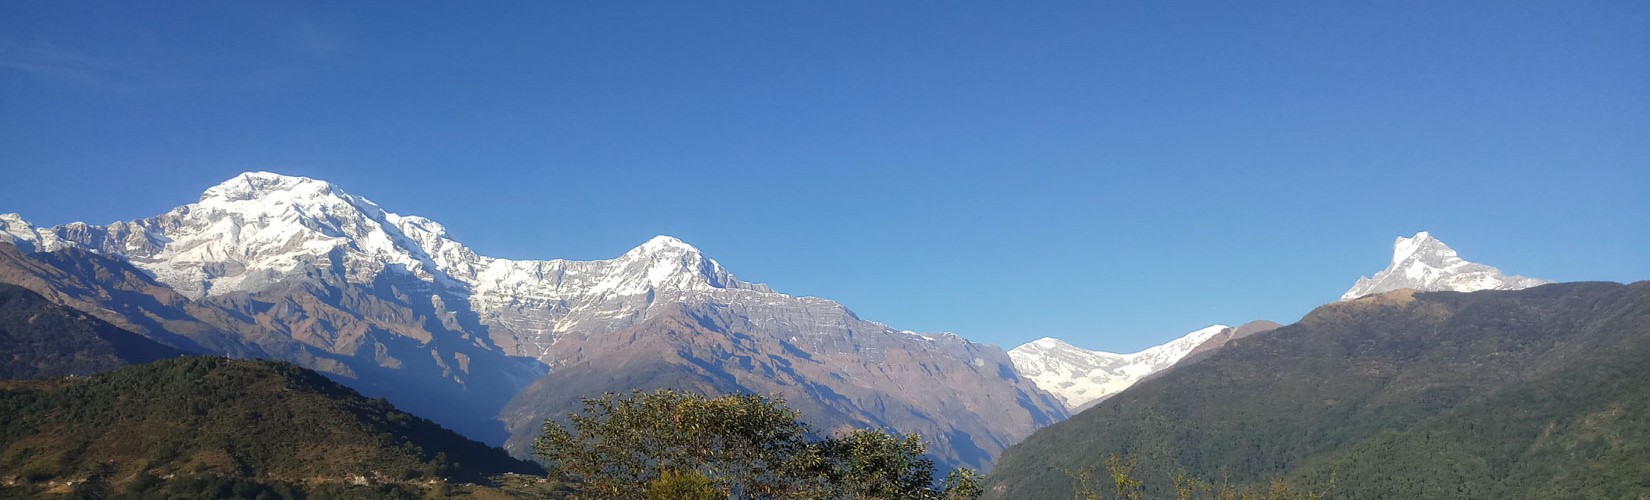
x,y
969,412
394,338
114,291
1226,337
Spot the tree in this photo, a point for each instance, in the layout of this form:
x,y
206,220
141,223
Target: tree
x,y
735,446
691,485
870,463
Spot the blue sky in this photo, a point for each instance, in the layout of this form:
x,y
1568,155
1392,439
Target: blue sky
x,y
1113,173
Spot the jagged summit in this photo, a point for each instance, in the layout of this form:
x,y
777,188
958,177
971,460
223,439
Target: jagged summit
x,y
258,229
15,230
1424,263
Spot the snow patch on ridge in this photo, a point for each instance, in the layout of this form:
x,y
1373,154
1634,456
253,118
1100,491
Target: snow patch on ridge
x,y
1079,376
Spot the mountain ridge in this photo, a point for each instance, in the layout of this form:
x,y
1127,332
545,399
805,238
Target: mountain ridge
x,y
328,278
1082,377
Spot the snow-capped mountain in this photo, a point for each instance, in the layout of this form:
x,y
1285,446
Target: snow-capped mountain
x,y
1079,376
315,275
260,228
1426,264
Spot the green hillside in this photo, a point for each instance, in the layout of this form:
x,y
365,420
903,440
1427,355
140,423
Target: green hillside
x,y
256,422
1536,393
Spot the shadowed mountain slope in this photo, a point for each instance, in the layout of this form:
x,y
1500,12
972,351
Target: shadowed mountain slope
x,y
930,386
40,339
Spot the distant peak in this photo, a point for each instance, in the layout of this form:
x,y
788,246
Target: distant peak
x,y
252,185
1048,343
1404,248
663,243
1419,239
1424,263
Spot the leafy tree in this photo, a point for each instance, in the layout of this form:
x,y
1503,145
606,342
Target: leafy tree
x,y
673,443
753,445
874,464
962,484
691,485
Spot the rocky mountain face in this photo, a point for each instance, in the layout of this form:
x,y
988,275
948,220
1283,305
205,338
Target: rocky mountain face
x,y
371,336
1081,377
1424,263
858,373
1534,393
265,265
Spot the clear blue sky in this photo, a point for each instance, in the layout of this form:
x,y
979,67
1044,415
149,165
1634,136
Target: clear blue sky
x,y
1113,173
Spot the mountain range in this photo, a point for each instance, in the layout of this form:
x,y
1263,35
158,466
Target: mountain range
x,y
1534,393
297,269
1083,378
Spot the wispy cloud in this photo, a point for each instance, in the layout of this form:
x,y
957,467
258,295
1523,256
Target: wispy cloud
x,y
49,61
295,52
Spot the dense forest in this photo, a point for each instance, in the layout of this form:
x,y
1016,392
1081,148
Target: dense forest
x,y
206,423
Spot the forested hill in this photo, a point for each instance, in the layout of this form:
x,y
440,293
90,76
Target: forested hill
x,y
1537,393
220,418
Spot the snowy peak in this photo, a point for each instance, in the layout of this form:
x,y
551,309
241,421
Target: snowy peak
x,y
1404,248
1425,263
281,202
258,229
1079,376
664,262
255,229
1424,250
19,232
251,186
663,244
1047,343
